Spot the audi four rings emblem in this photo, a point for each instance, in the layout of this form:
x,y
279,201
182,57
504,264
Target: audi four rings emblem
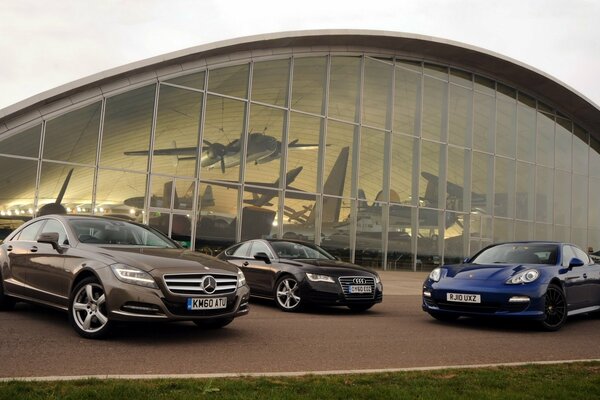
x,y
208,284
359,281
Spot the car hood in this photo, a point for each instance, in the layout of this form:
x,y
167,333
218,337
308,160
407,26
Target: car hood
x,y
333,267
501,272
164,260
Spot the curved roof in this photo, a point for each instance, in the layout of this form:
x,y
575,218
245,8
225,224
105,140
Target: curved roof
x,y
521,76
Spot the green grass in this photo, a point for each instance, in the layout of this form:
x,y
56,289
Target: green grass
x,y
559,381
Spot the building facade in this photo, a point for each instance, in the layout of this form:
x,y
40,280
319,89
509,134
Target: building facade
x,y
389,150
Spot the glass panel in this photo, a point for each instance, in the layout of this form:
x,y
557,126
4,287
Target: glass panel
x,y
430,187
460,113
400,237
377,93
579,201
221,147
594,158
503,230
484,121
594,212
436,70
562,198
79,183
369,231
579,238
544,193
303,150
176,134
407,99
593,238
370,175
338,158
562,234
259,218
25,143
563,150
456,196
455,238
545,139
164,189
482,183
505,93
506,127
485,85
336,227
73,137
270,81
344,88
402,185
524,230
18,191
263,151
580,152
299,216
217,219
543,232
504,198
230,81
428,244
526,132
121,192
308,89
127,126
525,191
194,81
434,109
461,78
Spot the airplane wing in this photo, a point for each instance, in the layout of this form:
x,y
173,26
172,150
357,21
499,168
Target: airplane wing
x,y
174,151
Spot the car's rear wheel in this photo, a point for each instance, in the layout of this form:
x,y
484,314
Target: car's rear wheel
x,y
87,310
444,317
287,294
359,307
214,323
555,308
7,303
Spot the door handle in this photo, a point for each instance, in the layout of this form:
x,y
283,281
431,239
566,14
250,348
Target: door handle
x,y
584,276
34,249
245,263
9,248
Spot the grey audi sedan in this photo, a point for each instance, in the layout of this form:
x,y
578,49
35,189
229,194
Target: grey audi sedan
x,y
102,270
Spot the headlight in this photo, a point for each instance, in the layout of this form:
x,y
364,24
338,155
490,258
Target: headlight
x,y
241,278
319,278
377,279
527,276
436,274
132,275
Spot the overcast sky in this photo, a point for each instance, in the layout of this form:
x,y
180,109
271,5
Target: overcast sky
x,y
44,44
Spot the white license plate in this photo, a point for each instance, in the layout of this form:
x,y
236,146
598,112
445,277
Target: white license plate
x,y
213,303
360,289
463,298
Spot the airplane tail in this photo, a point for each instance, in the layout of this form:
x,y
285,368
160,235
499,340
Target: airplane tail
x,y
334,185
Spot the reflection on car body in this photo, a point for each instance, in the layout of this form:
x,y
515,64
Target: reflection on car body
x,y
295,273
541,281
104,270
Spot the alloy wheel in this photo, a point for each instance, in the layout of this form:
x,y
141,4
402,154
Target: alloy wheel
x,y
555,308
286,294
88,308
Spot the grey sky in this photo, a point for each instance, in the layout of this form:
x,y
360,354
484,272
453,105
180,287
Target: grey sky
x,y
46,44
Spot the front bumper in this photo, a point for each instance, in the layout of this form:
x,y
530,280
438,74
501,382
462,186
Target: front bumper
x,y
332,294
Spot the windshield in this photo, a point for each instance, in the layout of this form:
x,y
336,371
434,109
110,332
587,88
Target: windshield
x,y
518,253
294,250
106,231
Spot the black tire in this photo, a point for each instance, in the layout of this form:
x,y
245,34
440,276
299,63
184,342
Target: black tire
x,y
7,303
555,308
215,323
444,317
87,310
360,307
286,294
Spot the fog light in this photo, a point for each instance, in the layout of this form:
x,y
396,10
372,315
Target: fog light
x,y
426,293
519,299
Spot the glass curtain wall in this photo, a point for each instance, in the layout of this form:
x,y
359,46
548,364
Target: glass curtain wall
x,y
385,162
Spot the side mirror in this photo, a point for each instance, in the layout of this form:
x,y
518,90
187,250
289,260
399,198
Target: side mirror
x,y
50,238
466,260
260,256
575,262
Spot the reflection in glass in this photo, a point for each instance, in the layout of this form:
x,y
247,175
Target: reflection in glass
x,y
259,213
73,137
482,183
121,192
401,172
230,81
344,88
579,238
217,220
304,130
338,158
580,151
17,199
562,197
460,113
594,212
336,227
544,232
406,101
127,126
270,81
524,230
563,145
402,221
456,195
300,216
428,243
525,191
177,226
194,81
377,93
434,109
455,238
526,131
431,192
504,194
171,194
545,140
483,122
579,202
25,143
308,92
506,127
263,151
78,195
370,176
369,233
562,234
544,191
503,230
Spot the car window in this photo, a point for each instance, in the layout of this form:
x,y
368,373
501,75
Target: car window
x,y
105,231
581,255
242,251
294,250
260,247
30,232
518,253
53,225
568,254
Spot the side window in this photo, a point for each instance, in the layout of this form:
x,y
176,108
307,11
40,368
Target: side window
x,y
261,247
54,226
567,255
30,232
581,255
242,251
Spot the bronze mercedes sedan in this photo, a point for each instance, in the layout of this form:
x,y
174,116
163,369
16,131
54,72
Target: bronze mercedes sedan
x,y
102,270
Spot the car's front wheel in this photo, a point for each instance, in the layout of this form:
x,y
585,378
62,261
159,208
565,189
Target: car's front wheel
x,y
87,310
287,294
214,323
555,308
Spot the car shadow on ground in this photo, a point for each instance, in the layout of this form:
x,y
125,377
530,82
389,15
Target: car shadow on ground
x,y
313,309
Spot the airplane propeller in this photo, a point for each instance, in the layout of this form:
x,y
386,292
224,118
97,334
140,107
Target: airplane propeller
x,y
217,151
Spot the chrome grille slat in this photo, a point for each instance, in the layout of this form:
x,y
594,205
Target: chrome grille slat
x,y
347,281
190,283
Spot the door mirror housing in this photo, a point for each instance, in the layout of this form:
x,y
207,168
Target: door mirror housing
x,y
261,256
575,262
50,238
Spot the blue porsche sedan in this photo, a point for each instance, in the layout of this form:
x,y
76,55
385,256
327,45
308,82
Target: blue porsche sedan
x,y
541,281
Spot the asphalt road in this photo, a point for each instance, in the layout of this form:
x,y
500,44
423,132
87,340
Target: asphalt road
x,y
35,341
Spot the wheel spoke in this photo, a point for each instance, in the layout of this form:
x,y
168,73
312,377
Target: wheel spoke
x,y
101,317
87,323
101,300
89,292
79,306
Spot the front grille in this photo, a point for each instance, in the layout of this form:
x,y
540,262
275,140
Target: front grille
x,y
193,284
347,281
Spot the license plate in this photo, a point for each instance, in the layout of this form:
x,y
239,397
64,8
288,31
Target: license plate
x,y
207,304
360,289
463,298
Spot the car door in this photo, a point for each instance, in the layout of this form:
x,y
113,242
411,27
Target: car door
x,y
591,277
18,249
574,279
261,274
